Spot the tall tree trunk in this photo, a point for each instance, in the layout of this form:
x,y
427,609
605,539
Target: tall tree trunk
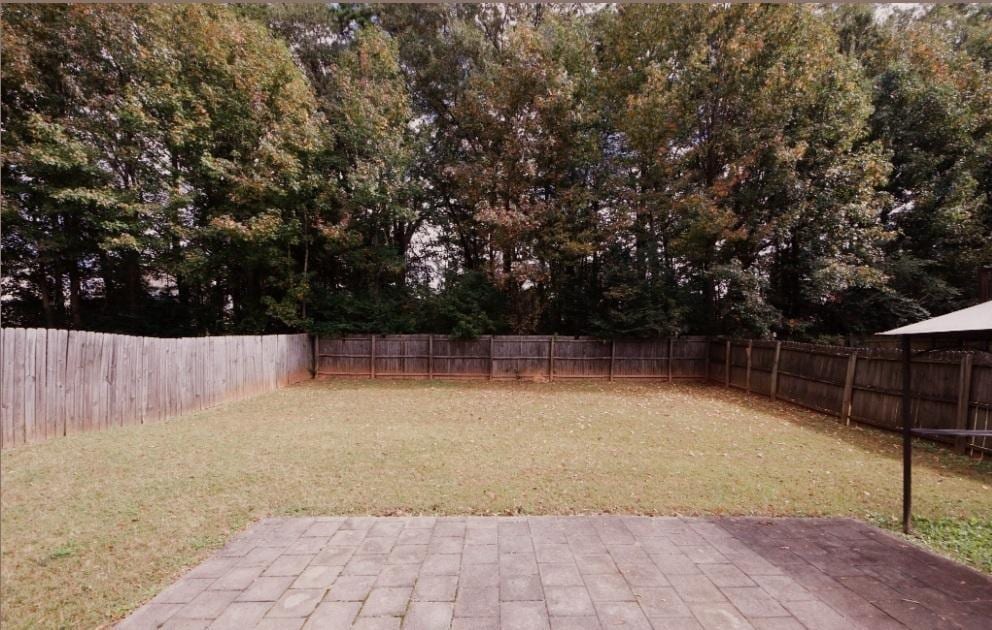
x,y
111,296
132,279
306,264
58,295
45,291
75,303
182,290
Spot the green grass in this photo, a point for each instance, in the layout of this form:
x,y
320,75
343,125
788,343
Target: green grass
x,y
93,525
966,539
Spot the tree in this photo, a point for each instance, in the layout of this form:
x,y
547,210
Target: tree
x,y
617,170
933,113
74,186
745,132
373,154
174,139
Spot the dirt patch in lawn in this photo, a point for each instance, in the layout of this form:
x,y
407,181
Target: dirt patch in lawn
x,y
95,524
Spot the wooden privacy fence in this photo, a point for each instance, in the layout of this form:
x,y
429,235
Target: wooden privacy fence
x,y
59,382
544,357
950,390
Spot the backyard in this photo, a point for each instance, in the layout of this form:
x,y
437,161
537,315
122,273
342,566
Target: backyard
x,y
95,524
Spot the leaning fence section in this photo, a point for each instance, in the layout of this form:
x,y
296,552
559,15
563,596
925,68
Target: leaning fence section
x,y
950,390
511,357
60,382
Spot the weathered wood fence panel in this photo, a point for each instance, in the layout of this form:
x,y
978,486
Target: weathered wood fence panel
x,y
949,389
521,356
531,357
812,378
584,358
979,412
60,382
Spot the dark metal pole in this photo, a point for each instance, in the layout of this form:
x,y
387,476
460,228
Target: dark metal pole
x,y
907,438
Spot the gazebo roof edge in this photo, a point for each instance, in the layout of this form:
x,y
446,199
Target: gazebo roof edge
x,y
974,319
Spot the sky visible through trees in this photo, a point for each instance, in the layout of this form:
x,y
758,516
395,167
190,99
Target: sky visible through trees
x,y
809,172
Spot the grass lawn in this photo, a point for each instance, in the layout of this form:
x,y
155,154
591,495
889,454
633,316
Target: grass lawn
x,y
95,524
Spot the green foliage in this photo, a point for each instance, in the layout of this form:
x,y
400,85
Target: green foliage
x,y
934,113
468,307
468,169
171,155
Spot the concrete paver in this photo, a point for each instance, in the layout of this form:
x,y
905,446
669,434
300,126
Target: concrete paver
x,y
570,573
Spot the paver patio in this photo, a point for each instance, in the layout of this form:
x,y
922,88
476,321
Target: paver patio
x,y
565,573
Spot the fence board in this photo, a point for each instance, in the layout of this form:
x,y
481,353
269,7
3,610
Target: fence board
x,y
70,403
30,383
54,362
6,383
94,366
980,405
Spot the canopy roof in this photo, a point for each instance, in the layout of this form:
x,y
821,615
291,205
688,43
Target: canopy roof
x,y
974,319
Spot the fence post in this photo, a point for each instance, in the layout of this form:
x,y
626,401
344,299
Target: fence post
x,y
726,369
845,406
670,345
492,357
747,373
706,361
371,356
315,343
430,357
613,356
964,394
774,383
551,359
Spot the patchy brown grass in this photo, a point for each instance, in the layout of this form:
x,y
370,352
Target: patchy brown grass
x,y
93,525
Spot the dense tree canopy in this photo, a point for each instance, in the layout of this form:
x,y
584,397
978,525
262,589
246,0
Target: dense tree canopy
x,y
466,169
